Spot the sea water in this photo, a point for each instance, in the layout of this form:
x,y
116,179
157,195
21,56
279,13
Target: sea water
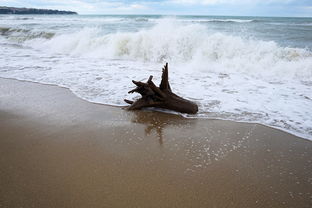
x,y
254,69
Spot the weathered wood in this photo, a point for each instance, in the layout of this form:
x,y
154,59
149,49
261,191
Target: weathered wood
x,y
160,97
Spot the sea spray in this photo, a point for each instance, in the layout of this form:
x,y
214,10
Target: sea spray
x,y
192,44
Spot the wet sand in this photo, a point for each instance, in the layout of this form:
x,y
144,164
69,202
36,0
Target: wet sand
x,y
57,150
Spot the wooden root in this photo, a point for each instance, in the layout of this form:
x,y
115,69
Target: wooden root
x,y
160,97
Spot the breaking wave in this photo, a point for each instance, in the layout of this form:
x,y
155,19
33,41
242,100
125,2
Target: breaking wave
x,y
193,44
21,35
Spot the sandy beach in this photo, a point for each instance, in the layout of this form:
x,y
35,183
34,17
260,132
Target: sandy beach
x,y
57,150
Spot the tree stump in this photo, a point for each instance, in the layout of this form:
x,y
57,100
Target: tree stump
x,y
160,97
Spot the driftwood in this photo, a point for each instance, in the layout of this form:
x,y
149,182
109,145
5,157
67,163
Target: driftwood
x,y
160,97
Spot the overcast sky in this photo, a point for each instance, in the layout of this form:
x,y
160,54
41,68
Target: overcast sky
x,y
175,7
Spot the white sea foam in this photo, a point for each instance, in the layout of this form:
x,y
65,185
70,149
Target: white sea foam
x,y
230,77
192,44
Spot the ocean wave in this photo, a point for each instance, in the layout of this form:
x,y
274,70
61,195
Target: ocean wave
x,y
21,35
141,19
290,24
191,44
222,20
20,18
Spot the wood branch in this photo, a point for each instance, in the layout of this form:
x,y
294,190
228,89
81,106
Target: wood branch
x,y
160,97
129,101
164,85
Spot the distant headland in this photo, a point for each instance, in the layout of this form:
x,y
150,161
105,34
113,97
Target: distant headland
x,y
15,10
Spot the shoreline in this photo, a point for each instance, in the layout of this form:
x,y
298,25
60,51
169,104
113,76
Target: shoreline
x,y
58,150
164,111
